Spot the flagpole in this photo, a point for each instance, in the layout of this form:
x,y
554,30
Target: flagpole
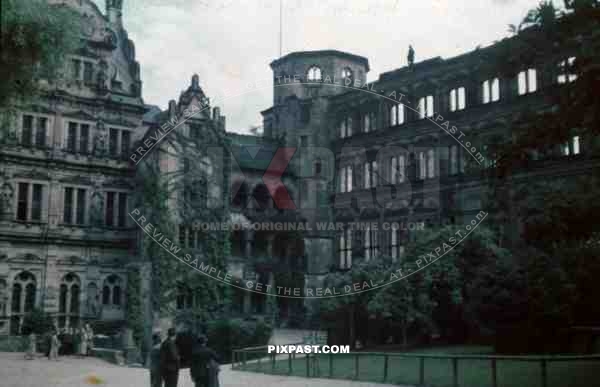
x,y
280,27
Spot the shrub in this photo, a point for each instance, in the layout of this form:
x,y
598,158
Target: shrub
x,y
226,335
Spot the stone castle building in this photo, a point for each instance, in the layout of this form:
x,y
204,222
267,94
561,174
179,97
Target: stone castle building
x,y
66,180
363,152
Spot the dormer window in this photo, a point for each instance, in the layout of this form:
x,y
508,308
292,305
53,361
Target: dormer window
x,y
82,70
314,74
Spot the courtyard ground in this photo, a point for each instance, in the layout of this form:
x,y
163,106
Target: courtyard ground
x,y
75,372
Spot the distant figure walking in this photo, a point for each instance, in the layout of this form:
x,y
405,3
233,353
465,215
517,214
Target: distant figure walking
x,y
31,347
54,346
169,360
83,343
205,364
154,362
89,338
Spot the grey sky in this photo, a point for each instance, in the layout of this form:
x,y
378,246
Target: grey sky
x,y
230,43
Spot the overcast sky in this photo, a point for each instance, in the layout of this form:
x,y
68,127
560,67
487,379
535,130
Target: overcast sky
x,y
230,43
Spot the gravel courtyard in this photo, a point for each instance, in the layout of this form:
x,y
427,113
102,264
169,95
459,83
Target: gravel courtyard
x,y
71,372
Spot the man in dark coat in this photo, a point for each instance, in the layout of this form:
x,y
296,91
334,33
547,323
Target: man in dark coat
x,y
154,362
169,360
204,368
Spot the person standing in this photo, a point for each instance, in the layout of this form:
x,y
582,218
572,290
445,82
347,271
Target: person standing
x,y
54,346
89,337
30,354
76,337
83,342
154,362
169,360
205,364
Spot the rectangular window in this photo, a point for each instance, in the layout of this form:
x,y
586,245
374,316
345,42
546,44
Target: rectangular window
x,y
422,166
567,73
72,137
125,143
396,250
88,73
371,243
110,208
81,203
571,147
68,206
36,202
40,134
23,201
491,90
195,131
457,99
397,114
27,133
369,122
84,138
122,209
430,163
453,167
346,179
527,81
113,142
370,177
345,249
426,107
76,69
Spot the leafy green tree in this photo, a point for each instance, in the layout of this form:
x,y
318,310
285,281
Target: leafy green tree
x,y
555,233
36,36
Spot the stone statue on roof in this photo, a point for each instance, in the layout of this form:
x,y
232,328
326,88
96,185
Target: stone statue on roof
x,y
411,56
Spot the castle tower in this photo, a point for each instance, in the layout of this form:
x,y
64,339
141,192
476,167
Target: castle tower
x,y
303,84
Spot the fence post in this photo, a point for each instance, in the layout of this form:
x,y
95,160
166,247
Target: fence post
x,y
330,364
244,358
385,367
455,371
494,373
307,365
421,371
290,363
356,366
544,374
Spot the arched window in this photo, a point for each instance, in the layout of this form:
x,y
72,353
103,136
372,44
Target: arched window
x,y
23,298
116,295
314,73
105,295
347,76
68,303
111,291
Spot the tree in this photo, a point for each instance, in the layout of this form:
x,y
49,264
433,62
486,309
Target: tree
x,y
36,36
555,232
